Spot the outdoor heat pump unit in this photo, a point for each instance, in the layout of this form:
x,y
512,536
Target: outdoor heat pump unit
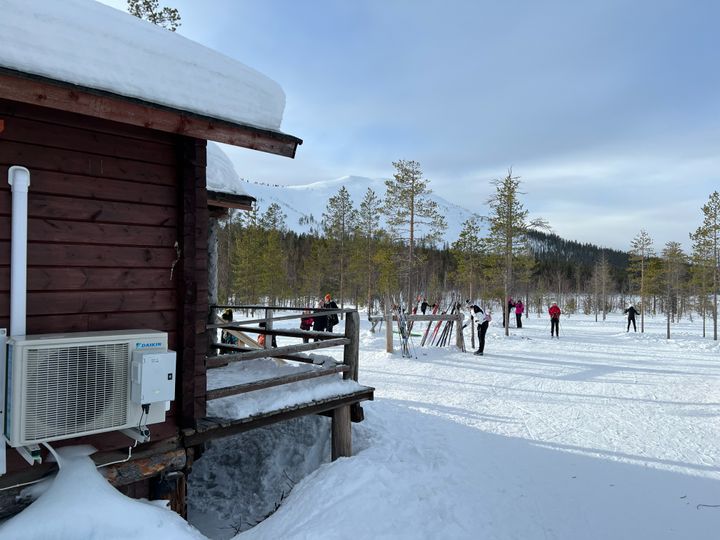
x,y
69,385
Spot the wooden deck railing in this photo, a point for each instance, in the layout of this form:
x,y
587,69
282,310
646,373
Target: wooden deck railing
x,y
323,340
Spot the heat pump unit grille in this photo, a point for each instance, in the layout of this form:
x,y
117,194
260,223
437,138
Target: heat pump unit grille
x,y
75,389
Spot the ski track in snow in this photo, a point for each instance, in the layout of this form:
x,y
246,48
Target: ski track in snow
x,y
596,390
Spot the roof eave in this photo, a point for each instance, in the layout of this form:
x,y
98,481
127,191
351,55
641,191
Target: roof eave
x,y
229,200
45,92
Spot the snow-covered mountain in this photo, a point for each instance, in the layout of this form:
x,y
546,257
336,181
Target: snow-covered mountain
x,y
303,201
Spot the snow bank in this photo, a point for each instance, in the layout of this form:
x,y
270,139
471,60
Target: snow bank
x,y
89,44
80,504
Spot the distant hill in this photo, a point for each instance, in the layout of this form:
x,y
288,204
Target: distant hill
x,y
305,204
553,252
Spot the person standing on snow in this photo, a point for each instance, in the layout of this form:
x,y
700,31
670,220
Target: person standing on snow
x,y
519,309
424,306
631,312
319,321
332,319
306,323
554,312
482,320
510,306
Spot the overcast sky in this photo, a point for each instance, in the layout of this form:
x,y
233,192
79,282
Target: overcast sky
x,y
608,110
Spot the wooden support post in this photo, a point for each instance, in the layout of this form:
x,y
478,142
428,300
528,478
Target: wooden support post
x,y
388,326
473,330
268,326
341,433
351,351
172,487
459,341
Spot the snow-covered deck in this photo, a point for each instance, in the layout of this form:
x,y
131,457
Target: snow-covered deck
x,y
253,391
249,410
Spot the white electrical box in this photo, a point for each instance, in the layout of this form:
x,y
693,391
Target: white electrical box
x,y
153,377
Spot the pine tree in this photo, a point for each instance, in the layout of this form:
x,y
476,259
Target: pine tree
x,y
508,230
711,229
641,250
467,252
368,231
410,211
274,219
149,10
701,269
338,222
245,258
674,260
272,269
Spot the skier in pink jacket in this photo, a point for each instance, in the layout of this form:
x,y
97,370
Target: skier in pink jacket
x,y
519,310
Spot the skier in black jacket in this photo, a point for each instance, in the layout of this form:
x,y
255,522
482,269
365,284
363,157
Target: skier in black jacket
x,y
331,320
631,312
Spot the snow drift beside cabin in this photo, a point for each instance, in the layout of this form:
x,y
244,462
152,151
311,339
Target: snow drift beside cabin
x,y
92,45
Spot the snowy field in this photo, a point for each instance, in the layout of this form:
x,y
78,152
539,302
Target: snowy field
x,y
598,435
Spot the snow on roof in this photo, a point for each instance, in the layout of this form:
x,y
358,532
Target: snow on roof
x,y
221,174
86,43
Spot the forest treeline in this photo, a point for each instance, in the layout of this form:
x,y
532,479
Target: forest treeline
x,y
348,254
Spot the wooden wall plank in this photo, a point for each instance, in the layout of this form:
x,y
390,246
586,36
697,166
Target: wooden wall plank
x,y
81,163
141,135
62,136
165,321
54,303
76,209
88,278
96,187
55,230
93,255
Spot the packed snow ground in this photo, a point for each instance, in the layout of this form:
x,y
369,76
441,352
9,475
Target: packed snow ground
x,y
600,434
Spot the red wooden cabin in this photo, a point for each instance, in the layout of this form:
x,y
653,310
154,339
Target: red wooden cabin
x,y
117,225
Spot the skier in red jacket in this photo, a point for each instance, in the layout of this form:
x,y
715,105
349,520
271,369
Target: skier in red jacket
x,y
554,312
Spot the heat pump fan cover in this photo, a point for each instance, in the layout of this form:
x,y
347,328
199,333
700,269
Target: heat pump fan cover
x,y
74,389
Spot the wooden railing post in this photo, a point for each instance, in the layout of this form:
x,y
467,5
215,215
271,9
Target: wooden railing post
x,y
341,433
268,326
351,351
212,332
459,341
388,326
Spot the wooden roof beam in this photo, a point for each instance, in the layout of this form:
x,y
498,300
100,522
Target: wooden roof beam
x,y
45,92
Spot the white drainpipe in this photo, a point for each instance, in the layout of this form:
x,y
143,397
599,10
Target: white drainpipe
x,y
19,180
